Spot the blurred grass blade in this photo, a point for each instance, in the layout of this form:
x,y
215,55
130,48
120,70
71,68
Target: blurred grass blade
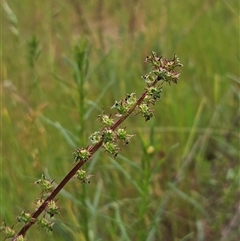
x,y
130,163
188,237
12,18
200,231
154,228
121,225
10,14
64,231
94,104
234,78
93,206
187,198
193,129
68,136
33,50
71,197
93,210
126,174
97,195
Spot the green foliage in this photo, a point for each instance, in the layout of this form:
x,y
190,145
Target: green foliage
x,y
33,51
184,162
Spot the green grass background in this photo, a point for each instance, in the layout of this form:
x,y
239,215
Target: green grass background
x,y
50,102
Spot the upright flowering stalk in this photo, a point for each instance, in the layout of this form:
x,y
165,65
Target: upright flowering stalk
x,y
163,71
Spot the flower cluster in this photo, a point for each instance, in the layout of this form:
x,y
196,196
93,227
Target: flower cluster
x,y
124,105
108,138
145,111
45,223
25,217
106,120
51,208
45,184
7,231
82,176
81,154
162,69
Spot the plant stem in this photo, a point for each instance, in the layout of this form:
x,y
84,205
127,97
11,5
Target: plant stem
x,y
92,150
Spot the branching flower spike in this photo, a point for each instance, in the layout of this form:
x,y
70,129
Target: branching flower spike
x,y
108,138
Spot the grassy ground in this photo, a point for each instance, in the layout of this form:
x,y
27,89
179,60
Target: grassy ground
x,y
179,177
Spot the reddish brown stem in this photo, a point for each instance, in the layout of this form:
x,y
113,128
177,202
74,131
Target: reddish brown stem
x,y
70,175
